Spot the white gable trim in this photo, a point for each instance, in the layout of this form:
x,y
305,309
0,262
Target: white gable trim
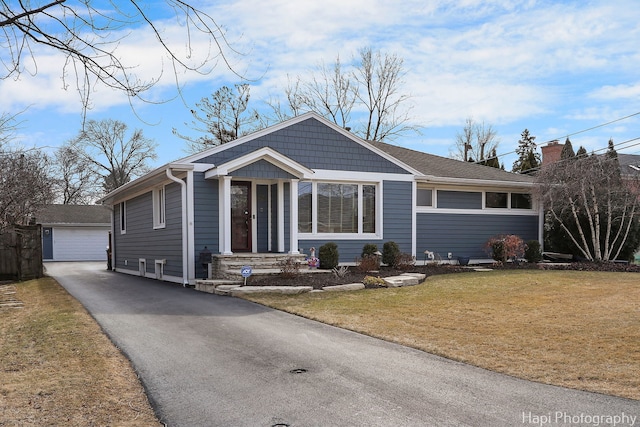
x,y
295,120
144,184
266,153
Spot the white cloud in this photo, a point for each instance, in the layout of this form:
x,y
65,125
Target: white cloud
x,y
552,66
617,92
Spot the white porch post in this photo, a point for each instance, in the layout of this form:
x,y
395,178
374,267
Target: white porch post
x,y
293,217
280,216
224,213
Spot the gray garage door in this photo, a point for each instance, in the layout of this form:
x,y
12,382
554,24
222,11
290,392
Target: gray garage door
x,y
80,243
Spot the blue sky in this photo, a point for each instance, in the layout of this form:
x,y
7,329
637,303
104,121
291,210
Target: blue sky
x,y
552,67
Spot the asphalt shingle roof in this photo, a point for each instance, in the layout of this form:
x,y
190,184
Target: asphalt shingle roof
x,y
430,164
629,164
74,214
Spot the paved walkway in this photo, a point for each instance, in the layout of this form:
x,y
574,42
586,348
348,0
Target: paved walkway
x,y
209,360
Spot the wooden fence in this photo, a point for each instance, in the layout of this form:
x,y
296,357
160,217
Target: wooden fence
x,y
21,252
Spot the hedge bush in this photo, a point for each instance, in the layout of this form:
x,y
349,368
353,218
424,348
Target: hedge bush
x,y
532,251
329,256
390,252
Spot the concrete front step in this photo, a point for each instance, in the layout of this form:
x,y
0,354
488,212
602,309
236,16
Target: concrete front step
x,y
272,271
229,266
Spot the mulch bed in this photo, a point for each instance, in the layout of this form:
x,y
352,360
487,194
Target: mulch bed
x,y
353,275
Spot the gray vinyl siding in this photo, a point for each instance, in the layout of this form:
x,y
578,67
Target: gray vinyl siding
x,y
263,170
262,217
397,212
349,250
206,216
315,146
398,202
142,241
466,234
459,200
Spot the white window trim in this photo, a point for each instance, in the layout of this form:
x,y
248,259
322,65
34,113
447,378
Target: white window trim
x,y
433,198
508,208
159,207
345,236
123,217
484,210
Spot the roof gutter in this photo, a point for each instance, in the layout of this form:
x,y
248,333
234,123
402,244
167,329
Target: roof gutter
x,y
474,182
185,230
142,182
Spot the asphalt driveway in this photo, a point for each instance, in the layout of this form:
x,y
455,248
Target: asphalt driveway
x,y
208,360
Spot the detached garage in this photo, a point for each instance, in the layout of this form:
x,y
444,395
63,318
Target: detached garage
x,y
75,232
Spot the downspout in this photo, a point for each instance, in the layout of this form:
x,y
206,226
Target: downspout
x,y
185,234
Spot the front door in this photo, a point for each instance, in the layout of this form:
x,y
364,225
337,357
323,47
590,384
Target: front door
x,y
240,216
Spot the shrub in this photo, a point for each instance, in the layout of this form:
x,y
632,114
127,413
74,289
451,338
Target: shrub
x,y
373,281
532,251
369,249
341,271
289,268
329,256
505,247
390,252
368,263
404,261
496,248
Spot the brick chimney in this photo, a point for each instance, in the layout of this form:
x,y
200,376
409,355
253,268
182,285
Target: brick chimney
x,y
551,152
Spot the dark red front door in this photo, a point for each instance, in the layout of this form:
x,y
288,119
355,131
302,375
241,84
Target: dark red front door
x,y
240,216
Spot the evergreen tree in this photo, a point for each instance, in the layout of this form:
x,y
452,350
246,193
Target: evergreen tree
x,y
567,151
611,151
528,159
492,160
582,152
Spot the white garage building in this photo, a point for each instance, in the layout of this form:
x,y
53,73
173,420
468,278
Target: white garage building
x,y
74,232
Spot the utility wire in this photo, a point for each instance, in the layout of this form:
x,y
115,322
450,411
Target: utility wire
x,y
594,152
567,136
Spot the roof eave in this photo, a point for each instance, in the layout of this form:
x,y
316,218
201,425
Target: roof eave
x,y
143,181
474,182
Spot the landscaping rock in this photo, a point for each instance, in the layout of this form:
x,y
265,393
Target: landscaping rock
x,y
419,276
399,281
348,287
289,290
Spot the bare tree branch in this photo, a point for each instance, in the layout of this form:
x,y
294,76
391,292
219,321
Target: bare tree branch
x,y
113,156
593,204
89,35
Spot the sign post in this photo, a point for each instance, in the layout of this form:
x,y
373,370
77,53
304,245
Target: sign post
x,y
246,272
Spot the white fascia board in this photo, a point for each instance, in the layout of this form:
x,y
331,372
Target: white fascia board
x,y
335,175
265,153
141,185
474,182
